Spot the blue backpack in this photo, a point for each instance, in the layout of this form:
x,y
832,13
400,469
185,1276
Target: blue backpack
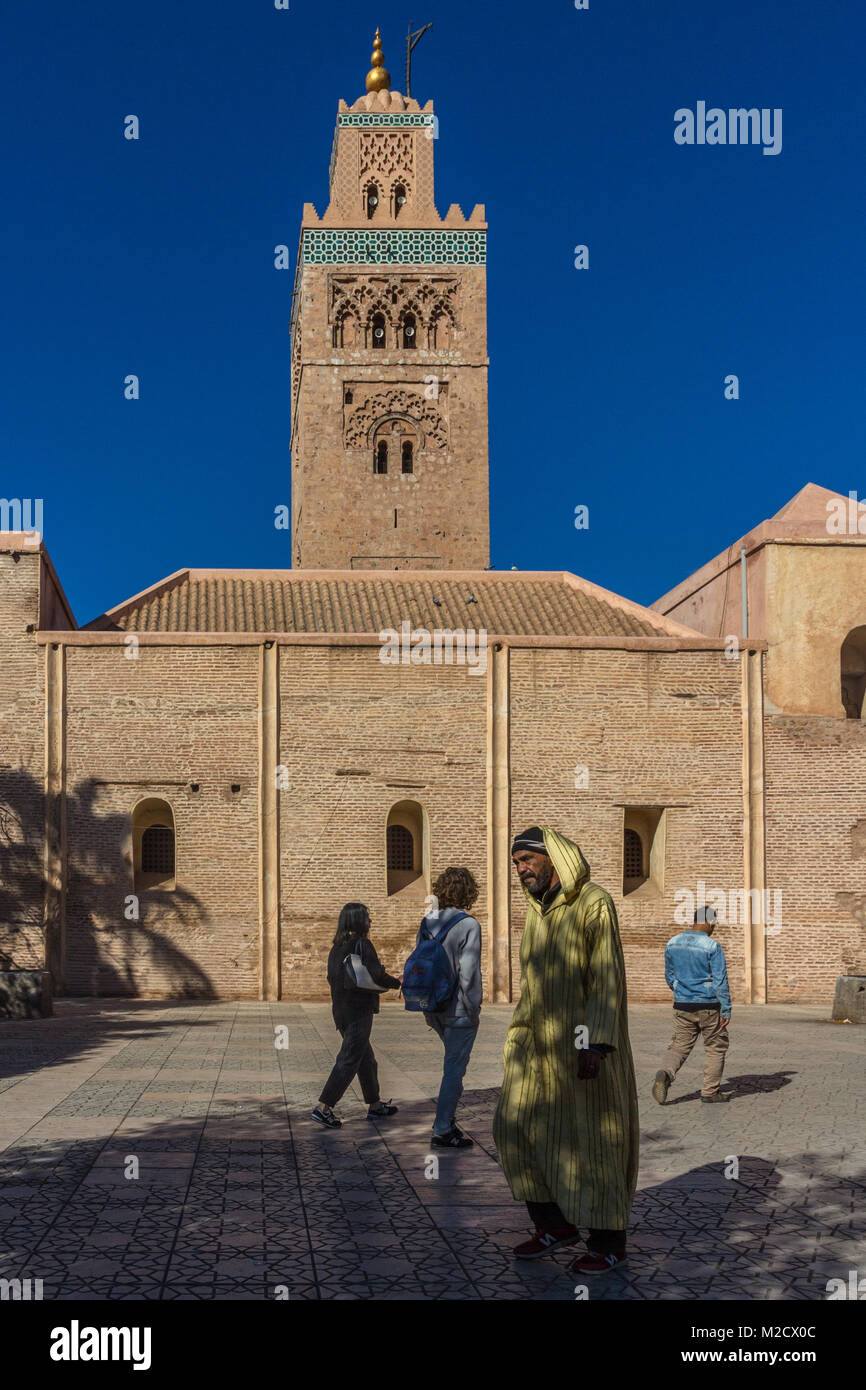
x,y
428,979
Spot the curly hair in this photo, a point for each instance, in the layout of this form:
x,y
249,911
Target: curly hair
x,y
455,888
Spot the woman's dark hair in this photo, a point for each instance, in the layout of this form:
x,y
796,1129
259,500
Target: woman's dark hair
x,y
354,921
455,888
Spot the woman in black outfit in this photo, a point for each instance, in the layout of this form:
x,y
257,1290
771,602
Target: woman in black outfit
x,y
353,1011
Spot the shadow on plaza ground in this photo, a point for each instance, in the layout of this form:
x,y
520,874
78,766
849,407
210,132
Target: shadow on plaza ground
x,y
233,1196
747,1084
103,959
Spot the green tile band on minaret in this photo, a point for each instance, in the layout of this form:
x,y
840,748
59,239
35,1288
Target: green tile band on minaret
x,y
349,247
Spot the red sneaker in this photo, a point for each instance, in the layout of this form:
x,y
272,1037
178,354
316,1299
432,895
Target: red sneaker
x,y
593,1263
543,1242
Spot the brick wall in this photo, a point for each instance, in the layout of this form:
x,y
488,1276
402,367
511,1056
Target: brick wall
x,y
22,759
356,737
618,714
417,733
816,853
149,727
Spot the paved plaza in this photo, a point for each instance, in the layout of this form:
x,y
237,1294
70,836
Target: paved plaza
x,y
164,1150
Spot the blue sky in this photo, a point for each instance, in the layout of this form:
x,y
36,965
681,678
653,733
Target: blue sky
x,y
606,386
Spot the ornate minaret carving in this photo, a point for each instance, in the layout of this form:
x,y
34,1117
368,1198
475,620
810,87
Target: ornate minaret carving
x,y
389,355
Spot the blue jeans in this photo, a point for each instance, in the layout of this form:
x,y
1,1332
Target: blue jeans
x,y
458,1042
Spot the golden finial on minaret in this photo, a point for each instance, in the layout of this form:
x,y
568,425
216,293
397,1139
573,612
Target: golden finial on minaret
x,y
378,78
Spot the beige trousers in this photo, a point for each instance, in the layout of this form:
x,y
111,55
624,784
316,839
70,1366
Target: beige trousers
x,y
688,1024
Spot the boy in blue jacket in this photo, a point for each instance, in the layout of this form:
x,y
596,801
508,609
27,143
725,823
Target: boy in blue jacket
x,y
696,972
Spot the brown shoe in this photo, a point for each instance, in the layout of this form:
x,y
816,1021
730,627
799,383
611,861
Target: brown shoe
x,y
661,1086
715,1098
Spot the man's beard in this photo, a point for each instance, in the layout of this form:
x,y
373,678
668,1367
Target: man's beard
x,y
542,882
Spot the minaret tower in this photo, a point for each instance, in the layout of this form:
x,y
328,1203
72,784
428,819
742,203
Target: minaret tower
x,y
389,355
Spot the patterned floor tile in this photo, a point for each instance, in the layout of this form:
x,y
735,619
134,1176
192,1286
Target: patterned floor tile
x,y
240,1195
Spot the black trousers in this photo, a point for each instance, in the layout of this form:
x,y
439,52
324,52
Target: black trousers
x,y
548,1217
355,1058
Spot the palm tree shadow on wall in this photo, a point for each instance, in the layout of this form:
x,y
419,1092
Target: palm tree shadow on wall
x,y
106,953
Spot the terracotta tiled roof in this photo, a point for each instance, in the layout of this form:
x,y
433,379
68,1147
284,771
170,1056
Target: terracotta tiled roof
x,y
345,602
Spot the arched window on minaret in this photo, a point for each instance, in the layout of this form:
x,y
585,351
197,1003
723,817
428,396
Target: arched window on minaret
x,y
400,199
441,330
346,330
377,331
410,331
408,456
371,200
380,458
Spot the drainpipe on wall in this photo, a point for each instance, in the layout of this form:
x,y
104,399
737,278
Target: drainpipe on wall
x,y
747,771
744,577
499,821
270,953
754,850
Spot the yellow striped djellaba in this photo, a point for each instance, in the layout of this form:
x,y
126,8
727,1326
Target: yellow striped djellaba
x,y
561,1139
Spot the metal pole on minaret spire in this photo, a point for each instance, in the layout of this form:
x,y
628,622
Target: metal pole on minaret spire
x,y
412,41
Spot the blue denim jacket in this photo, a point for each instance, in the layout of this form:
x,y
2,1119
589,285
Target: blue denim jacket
x,y
696,972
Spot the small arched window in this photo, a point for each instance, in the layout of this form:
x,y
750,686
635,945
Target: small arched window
x,y
853,673
153,845
377,331
371,198
401,848
399,199
408,456
380,459
157,851
406,846
643,850
632,855
410,331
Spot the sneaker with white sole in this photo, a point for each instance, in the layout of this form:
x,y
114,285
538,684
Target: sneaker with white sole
x,y
381,1110
594,1263
454,1139
545,1242
326,1118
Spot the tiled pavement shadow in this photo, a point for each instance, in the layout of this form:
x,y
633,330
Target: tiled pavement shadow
x,y
167,1152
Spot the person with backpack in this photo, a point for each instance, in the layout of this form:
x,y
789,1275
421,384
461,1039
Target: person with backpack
x,y
356,977
442,979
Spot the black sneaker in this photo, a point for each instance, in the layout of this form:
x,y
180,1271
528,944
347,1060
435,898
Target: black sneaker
x,y
454,1139
327,1118
380,1109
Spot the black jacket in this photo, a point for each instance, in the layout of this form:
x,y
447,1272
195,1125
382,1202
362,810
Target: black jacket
x,y
346,1001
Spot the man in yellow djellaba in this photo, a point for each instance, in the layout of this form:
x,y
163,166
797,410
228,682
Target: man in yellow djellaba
x,y
566,1125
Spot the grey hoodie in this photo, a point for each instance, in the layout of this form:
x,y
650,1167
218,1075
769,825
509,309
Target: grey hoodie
x,y
462,946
